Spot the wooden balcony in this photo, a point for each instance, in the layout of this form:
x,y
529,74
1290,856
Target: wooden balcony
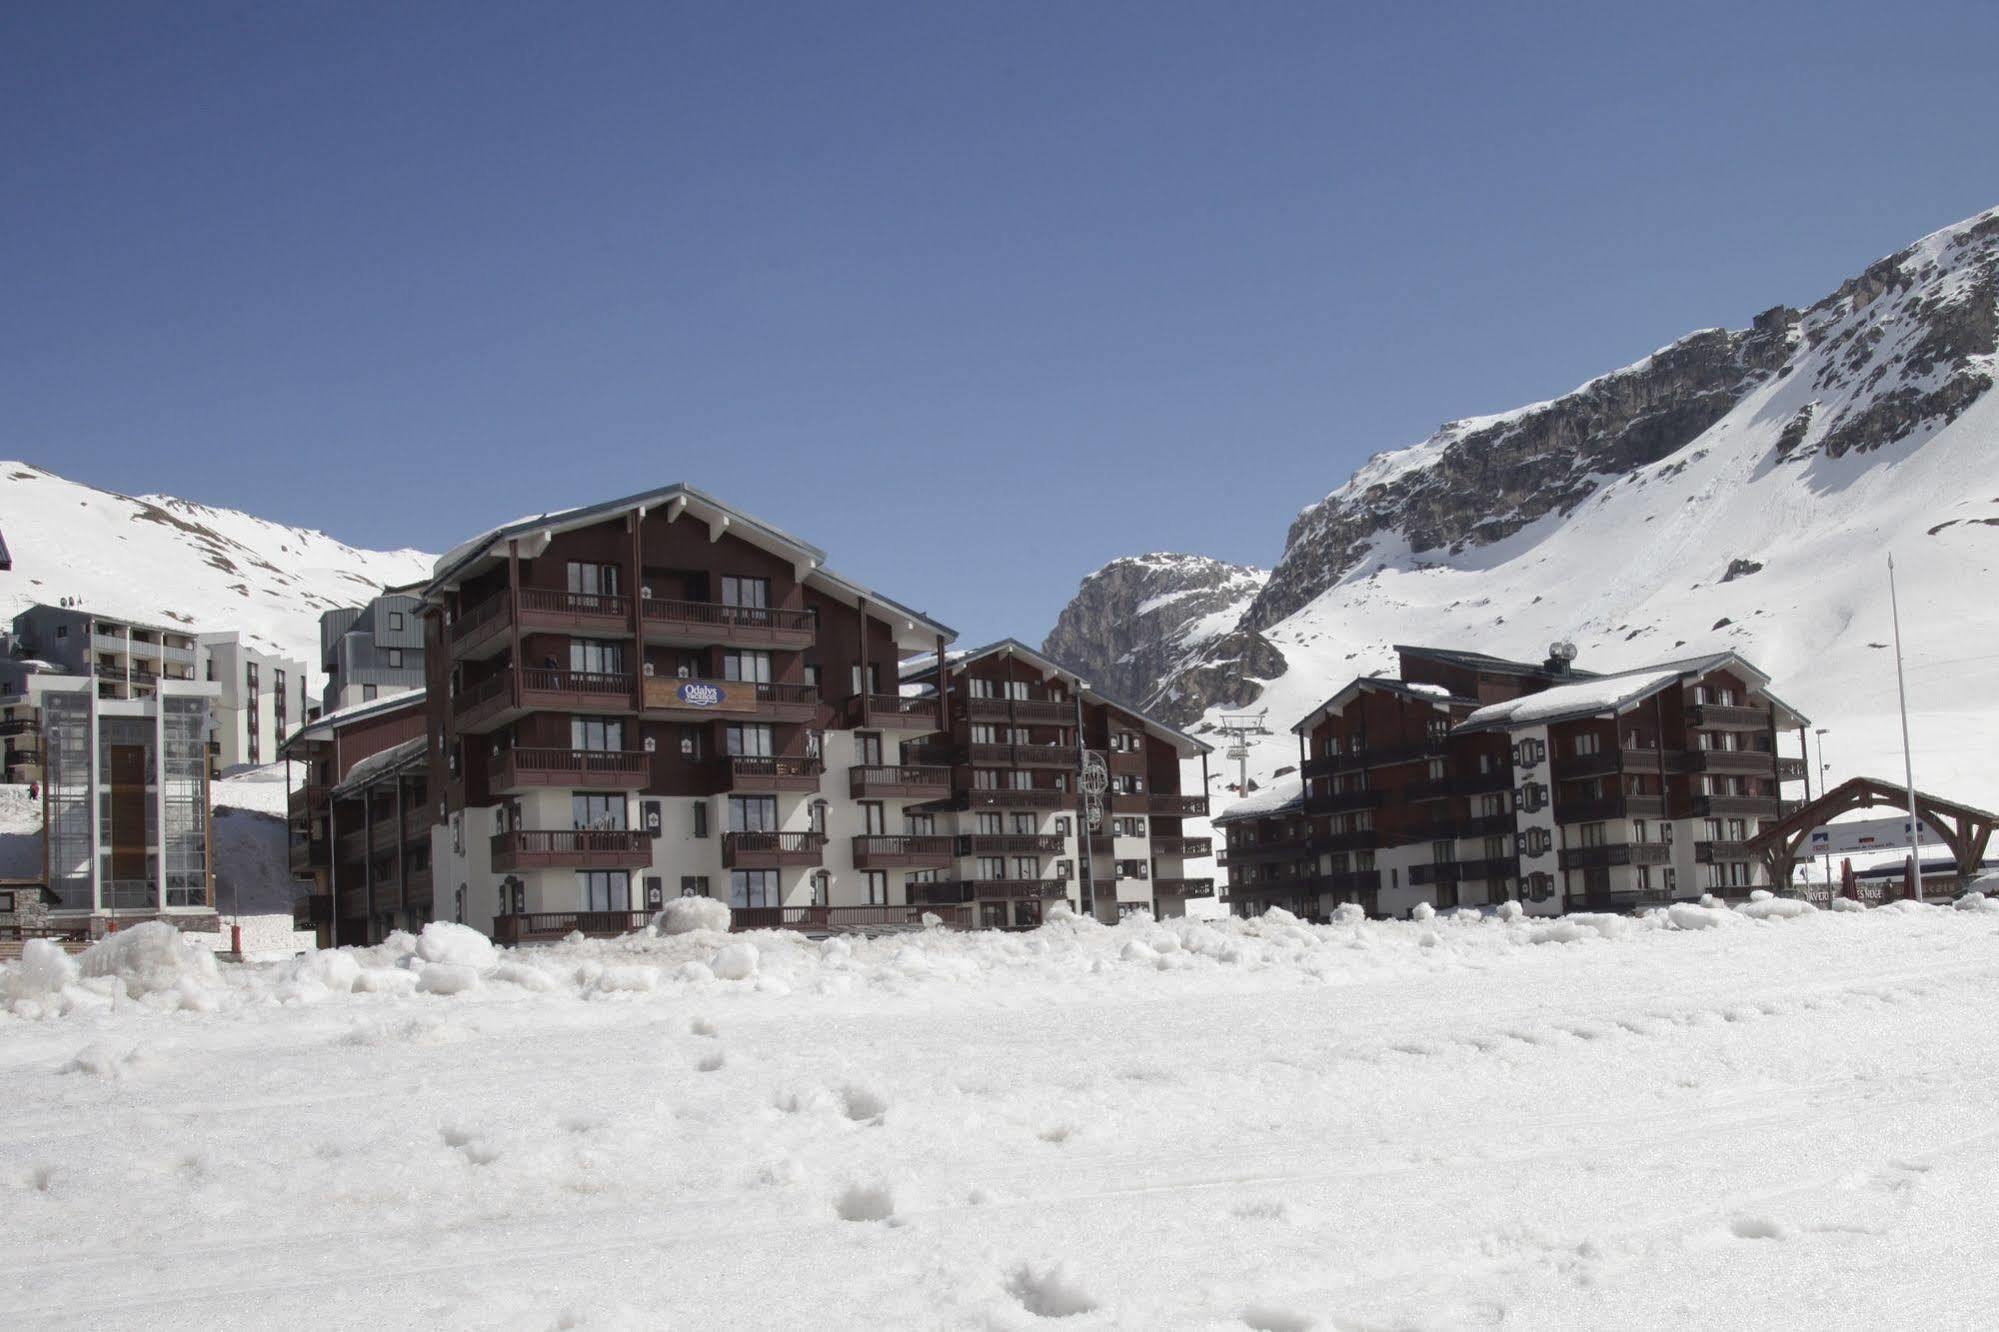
x,y
685,698
1790,770
1183,887
1755,807
877,851
513,771
1726,717
1488,869
573,848
697,623
1019,711
949,892
551,926
768,775
486,629
1443,871
1183,847
892,712
1616,853
847,919
1363,839
1337,802
899,782
1164,805
1283,851
1619,760
1748,762
772,850
304,802
1708,853
1351,883
1608,807
1375,757
1009,797
490,703
1010,844
981,755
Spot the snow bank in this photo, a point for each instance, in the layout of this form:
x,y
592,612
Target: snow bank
x,y
1771,907
456,945
684,915
1976,902
151,960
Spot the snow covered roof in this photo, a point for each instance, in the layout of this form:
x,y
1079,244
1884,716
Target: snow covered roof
x,y
1436,695
373,768
1283,793
1585,698
1011,647
1185,745
323,726
678,497
1479,661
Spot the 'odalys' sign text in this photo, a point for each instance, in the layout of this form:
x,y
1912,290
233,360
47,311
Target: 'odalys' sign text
x,y
701,695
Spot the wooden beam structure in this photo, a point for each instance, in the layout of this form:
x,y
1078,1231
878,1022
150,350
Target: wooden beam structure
x,y
1965,829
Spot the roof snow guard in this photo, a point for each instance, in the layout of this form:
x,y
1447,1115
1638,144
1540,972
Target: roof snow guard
x,y
678,499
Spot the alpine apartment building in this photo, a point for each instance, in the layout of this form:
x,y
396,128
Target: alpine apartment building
x,y
260,698
1471,780
372,651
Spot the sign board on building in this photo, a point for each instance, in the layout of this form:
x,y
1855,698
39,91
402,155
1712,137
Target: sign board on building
x,y
1862,835
700,695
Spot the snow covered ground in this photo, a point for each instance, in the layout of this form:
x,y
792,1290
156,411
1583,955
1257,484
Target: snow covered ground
x,y
1594,1122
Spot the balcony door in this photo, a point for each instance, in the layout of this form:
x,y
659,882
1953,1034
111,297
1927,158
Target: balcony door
x,y
752,813
596,733
596,656
597,812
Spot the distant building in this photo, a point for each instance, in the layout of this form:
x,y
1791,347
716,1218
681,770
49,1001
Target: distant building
x,y
127,659
261,698
1470,780
371,651
361,822
126,802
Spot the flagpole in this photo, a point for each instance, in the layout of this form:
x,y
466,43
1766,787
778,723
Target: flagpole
x,y
1908,764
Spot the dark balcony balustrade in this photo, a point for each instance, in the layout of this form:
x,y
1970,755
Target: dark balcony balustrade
x,y
1020,711
892,712
303,802
971,890
1489,869
513,771
571,848
1348,883
775,774
1183,887
694,623
1374,756
484,628
1183,847
1010,844
1429,788
490,703
685,698
1443,871
1616,853
1708,853
1336,802
487,627
1755,807
1790,770
983,755
1361,839
772,850
899,782
1598,808
1728,717
1017,797
1166,806
1279,850
889,851
19,726
513,930
1486,825
848,919
1746,761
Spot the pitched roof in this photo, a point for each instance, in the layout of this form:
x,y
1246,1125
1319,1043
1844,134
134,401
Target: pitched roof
x,y
1599,695
1386,684
1281,795
1479,661
409,754
325,724
751,528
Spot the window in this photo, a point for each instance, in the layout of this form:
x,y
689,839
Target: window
x,y
1584,744
753,888
1589,834
1023,825
877,886
593,580
598,733
1535,842
745,664
815,820
977,688
593,656
694,885
1638,830
1540,887
868,748
1017,690
596,811
753,813
812,674
821,886
395,619
701,820
872,822
1027,867
1444,853
367,692
1062,826
750,740
988,825
604,890
992,867
1533,797
1529,753
751,593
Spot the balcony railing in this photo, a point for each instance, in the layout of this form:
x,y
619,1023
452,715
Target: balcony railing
x,y
685,697
713,622
858,919
571,848
1751,806
984,755
1599,808
892,712
1373,757
891,851
1335,802
1166,806
1184,887
515,770
775,774
511,930
772,850
1790,770
1708,853
1184,847
1442,871
1362,839
1724,716
1749,761
491,700
1024,711
1616,853
969,890
1014,797
898,782
1010,844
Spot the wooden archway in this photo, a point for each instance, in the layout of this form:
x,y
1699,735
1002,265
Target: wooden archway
x,y
1967,831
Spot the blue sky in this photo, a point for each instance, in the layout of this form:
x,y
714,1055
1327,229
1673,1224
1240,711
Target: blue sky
x,y
974,296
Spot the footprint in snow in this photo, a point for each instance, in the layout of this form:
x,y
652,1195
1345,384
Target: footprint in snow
x,y
1050,1292
1269,1318
865,1203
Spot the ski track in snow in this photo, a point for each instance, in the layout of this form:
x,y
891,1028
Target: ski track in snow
x,y
1776,1124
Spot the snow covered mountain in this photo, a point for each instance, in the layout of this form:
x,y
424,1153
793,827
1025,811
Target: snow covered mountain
x,y
1737,489
1144,619
172,561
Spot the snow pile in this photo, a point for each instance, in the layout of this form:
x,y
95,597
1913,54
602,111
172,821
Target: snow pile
x,y
684,915
445,942
152,961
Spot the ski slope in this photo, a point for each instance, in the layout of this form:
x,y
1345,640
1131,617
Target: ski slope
x,y
1594,1122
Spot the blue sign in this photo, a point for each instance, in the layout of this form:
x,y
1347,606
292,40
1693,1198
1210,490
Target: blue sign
x,y
700,694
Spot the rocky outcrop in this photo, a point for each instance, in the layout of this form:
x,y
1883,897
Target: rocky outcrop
x,y
1135,624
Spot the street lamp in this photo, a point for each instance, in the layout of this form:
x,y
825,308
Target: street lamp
x,y
1825,784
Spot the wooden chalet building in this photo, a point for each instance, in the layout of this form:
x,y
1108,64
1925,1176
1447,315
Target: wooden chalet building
x,y
1470,780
